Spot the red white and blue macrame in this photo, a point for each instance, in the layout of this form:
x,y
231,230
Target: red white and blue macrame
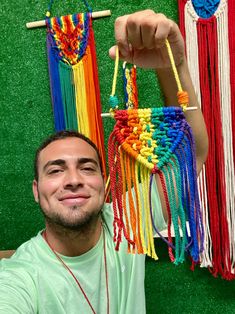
x,y
209,28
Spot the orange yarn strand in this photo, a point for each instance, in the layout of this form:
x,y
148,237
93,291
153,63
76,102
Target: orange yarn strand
x,y
130,199
138,237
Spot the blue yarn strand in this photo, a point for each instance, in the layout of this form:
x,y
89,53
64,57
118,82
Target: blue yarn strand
x,y
197,202
151,212
56,95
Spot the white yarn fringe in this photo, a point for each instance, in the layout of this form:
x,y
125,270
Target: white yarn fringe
x,y
191,19
225,101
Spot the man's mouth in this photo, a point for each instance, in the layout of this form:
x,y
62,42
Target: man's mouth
x,y
74,199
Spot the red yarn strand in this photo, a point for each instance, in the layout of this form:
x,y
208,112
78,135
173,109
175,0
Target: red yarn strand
x,y
215,165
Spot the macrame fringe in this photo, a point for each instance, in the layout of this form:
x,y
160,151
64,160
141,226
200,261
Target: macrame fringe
x,y
74,77
207,46
131,184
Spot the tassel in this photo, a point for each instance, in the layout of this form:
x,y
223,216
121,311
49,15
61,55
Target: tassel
x,y
152,141
74,77
207,42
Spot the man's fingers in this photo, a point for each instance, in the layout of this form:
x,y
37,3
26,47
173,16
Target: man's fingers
x,y
148,30
142,35
145,29
127,57
134,32
121,35
162,32
112,52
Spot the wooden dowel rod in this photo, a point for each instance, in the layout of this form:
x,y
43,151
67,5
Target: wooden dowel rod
x,y
107,114
94,15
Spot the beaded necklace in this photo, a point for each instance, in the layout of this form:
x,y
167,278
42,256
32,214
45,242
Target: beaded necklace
x,y
74,277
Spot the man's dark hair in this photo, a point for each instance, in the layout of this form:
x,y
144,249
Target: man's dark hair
x,y
60,136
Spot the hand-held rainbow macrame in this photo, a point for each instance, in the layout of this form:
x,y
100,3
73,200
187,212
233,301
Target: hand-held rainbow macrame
x,y
152,141
73,75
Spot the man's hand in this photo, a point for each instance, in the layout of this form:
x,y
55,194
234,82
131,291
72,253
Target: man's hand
x,y
141,39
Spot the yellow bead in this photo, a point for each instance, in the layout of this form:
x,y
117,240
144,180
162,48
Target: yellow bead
x,y
48,14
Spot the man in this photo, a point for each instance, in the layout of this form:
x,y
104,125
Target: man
x,y
72,266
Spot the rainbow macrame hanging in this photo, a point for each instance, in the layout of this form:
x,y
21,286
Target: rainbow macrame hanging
x,y
152,141
74,77
209,29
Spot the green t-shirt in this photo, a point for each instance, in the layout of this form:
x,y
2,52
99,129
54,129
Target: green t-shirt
x,y
33,280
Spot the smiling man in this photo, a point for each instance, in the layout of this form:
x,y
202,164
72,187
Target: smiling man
x,y
71,266
69,187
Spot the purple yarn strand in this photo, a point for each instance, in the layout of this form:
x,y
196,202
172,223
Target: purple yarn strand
x,y
151,211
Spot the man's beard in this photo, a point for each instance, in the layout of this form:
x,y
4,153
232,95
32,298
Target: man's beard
x,y
80,224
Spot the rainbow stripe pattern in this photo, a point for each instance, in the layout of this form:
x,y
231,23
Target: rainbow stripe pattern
x,y
154,144
73,74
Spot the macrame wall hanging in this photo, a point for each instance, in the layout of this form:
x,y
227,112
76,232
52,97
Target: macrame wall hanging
x,y
209,28
145,143
73,74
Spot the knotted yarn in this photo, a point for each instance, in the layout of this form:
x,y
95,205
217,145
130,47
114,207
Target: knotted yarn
x,y
145,144
210,53
73,75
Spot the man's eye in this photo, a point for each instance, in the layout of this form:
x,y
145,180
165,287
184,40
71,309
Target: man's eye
x,y
53,171
88,169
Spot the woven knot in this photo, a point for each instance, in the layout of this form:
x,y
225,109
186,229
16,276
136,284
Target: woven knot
x,y
183,98
154,170
135,130
161,126
206,9
113,102
148,129
119,223
134,146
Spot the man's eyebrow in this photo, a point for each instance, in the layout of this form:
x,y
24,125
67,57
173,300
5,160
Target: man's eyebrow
x,y
56,162
85,160
62,162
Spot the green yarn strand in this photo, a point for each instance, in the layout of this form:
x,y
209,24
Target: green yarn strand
x,y
68,96
181,212
174,214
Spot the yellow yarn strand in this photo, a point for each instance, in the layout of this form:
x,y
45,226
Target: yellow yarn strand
x,y
146,207
132,208
140,209
115,71
176,75
149,221
81,103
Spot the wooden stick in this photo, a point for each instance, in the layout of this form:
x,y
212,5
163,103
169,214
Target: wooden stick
x,y
94,15
107,114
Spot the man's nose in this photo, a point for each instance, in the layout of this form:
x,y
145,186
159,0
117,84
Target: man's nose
x,y
73,179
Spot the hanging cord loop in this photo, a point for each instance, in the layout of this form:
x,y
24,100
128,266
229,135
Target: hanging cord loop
x,y
48,12
182,96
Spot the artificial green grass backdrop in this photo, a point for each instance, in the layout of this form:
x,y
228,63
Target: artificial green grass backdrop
x,y
26,114
26,118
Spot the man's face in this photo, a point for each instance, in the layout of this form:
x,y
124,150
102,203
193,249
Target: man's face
x,y
70,187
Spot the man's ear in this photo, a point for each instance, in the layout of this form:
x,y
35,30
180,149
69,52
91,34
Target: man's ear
x,y
35,190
